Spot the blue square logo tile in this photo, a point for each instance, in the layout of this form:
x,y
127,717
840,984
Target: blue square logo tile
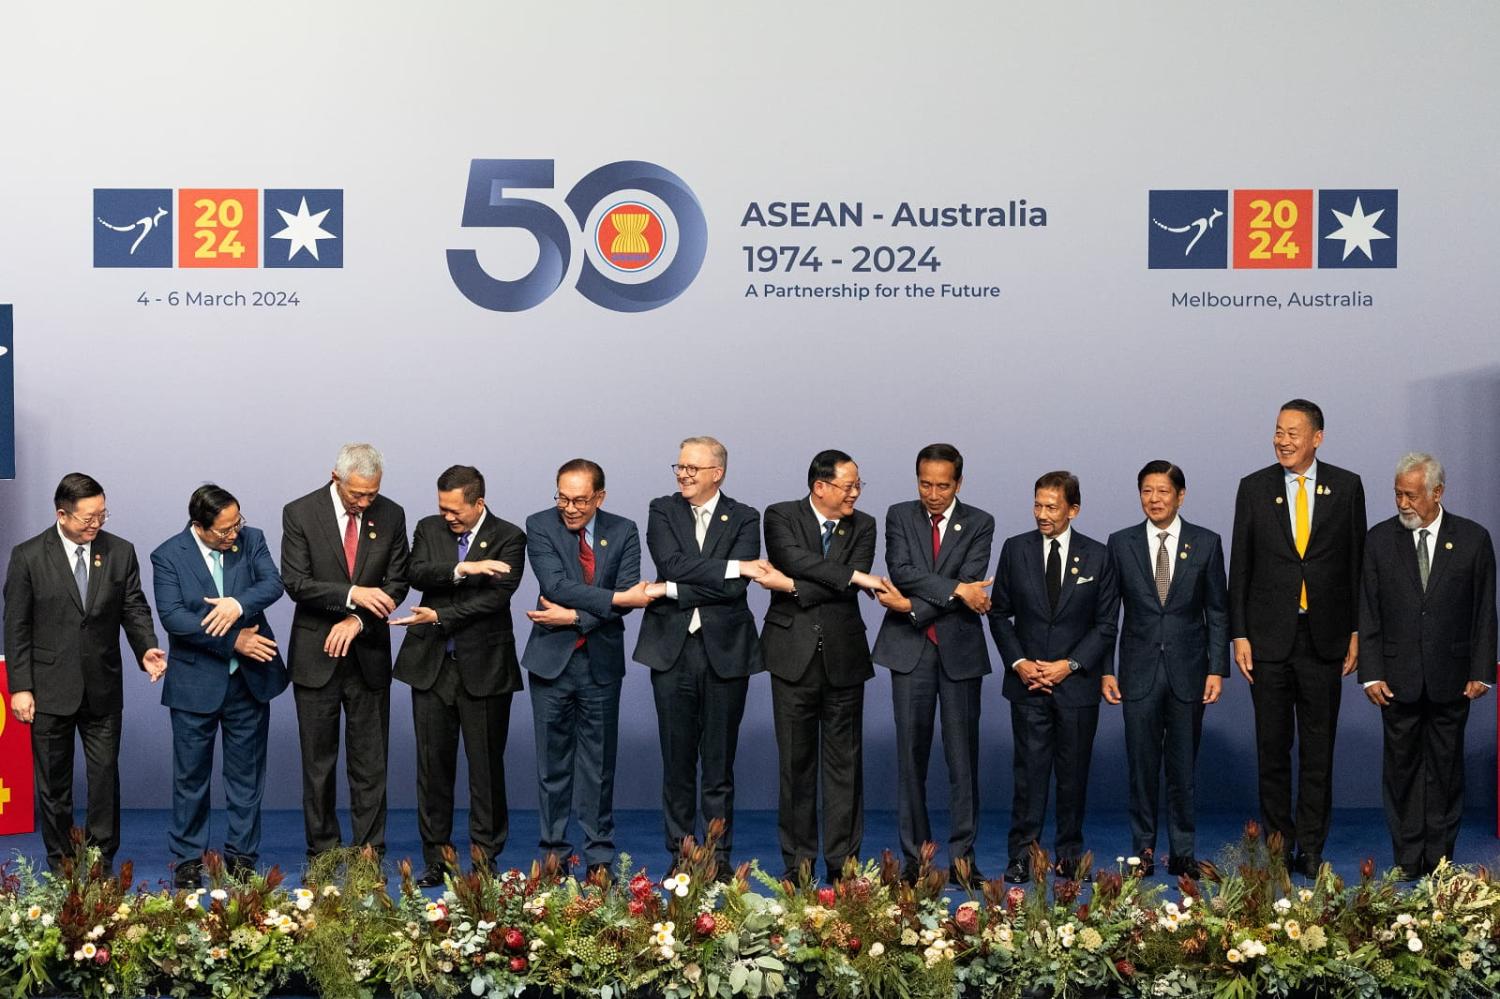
x,y
1189,230
304,227
133,227
1357,228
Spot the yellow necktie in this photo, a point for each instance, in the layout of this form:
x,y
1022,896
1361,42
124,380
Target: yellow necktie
x,y
1304,527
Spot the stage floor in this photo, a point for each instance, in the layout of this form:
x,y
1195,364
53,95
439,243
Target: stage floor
x,y
1355,835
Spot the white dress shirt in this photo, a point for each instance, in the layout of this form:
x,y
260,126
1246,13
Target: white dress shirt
x,y
1153,542
71,548
731,568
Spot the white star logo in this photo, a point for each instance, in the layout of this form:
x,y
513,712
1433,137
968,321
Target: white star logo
x,y
1357,230
303,230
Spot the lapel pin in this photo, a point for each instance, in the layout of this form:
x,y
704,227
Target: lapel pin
x,y
372,535
234,548
841,532
1325,490
1448,545
1183,556
99,560
1075,558
724,517
958,527
1280,500
1075,570
484,544
603,542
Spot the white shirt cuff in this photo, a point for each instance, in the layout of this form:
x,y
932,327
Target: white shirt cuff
x,y
732,569
671,591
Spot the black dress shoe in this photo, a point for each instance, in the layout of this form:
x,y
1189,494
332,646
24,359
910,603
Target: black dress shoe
x,y
1308,864
909,873
1068,870
188,875
974,881
431,876
240,867
1178,866
1017,872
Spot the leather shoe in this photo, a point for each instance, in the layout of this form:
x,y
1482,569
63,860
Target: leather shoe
x,y
975,880
1308,864
909,873
431,876
1068,870
1017,872
1178,866
188,874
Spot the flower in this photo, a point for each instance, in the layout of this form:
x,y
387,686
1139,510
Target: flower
x,y
435,912
1305,895
1133,861
1466,959
908,937
877,948
1283,905
1293,929
966,917
1090,939
219,894
191,901
88,951
34,913
1313,938
46,919
1234,956
330,891
827,897
1414,943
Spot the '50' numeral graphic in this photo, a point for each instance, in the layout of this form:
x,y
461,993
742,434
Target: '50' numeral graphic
x,y
486,204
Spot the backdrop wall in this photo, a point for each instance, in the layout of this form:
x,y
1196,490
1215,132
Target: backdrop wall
x,y
1088,358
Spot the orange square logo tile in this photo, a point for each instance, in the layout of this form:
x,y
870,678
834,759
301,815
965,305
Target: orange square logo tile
x,y
1273,229
218,227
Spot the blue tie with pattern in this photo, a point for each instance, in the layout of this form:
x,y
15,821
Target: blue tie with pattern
x,y
827,535
218,556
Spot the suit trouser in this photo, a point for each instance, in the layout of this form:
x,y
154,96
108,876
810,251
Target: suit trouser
x,y
52,769
366,714
576,721
1049,738
819,735
698,717
245,724
1424,778
1158,725
440,715
1300,695
916,697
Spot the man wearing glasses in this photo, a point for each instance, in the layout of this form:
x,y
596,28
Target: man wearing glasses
x,y
213,583
700,642
68,593
814,645
343,558
588,566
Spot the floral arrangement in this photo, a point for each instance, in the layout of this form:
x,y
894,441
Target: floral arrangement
x,y
1246,930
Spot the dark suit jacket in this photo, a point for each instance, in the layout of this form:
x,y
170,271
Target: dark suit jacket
x,y
824,607
554,561
317,579
1436,640
197,664
474,612
1189,635
963,558
1082,628
1266,576
55,646
728,627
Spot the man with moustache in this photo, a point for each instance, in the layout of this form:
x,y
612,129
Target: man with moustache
x,y
459,657
700,642
1294,570
1428,642
343,560
1054,620
815,647
932,641
587,564
1174,655
69,593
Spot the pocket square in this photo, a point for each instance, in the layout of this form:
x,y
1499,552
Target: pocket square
x,y
1083,579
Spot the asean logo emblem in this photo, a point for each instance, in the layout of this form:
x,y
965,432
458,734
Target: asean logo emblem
x,y
630,236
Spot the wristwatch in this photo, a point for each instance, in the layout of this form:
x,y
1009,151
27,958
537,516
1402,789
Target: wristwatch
x,y
1074,665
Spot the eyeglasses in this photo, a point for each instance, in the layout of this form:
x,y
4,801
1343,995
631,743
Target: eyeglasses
x,y
92,520
234,529
691,471
575,502
858,485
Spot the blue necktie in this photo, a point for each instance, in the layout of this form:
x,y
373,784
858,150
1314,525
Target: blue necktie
x,y
827,535
81,577
218,557
463,549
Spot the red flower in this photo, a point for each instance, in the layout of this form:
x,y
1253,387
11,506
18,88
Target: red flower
x,y
705,924
518,965
641,886
777,939
514,939
966,918
101,956
637,907
1125,968
827,898
854,945
1014,898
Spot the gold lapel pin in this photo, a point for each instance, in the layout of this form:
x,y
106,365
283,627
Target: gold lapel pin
x,y
1448,545
1182,555
234,548
372,535
724,517
98,561
603,542
484,544
1279,500
841,532
958,527
1075,570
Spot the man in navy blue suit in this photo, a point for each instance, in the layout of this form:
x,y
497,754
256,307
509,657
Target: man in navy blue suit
x,y
1174,655
1054,620
588,567
213,583
937,550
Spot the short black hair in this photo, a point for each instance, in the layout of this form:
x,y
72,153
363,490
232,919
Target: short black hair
x,y
942,452
465,477
1162,467
1313,411
584,465
1064,480
75,486
207,502
825,465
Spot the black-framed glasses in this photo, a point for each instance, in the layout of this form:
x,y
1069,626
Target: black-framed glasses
x,y
575,502
92,520
691,471
232,530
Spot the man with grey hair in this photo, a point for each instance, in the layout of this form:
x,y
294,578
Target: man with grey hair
x,y
1427,631
343,560
700,642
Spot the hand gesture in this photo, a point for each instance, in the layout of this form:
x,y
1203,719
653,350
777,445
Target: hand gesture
x,y
483,567
154,662
373,599
417,615
252,645
553,615
974,596
222,613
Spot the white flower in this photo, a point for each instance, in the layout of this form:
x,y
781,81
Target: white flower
x,y
1305,895
1171,909
1283,905
219,894
35,912
1187,901
88,951
877,948
330,890
1234,956
1119,860
666,952
1403,919
1133,861
303,904
46,919
776,909
191,901
908,937
1414,944
95,933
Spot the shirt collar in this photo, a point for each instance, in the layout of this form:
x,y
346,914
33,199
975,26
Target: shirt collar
x,y
1311,475
947,514
711,505
1174,529
1062,539
208,553
818,514
473,532
1432,528
71,547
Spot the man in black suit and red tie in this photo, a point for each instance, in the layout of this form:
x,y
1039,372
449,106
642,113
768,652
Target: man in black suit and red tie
x,y
815,647
1428,642
69,592
700,641
937,550
343,561
1054,620
1174,655
1294,567
459,657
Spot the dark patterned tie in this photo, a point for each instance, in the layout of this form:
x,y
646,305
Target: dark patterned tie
x,y
1163,568
1054,573
827,535
1424,561
937,545
586,563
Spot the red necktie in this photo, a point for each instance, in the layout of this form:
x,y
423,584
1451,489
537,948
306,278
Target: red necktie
x,y
937,544
351,540
586,562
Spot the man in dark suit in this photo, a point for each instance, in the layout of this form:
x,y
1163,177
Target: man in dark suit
x,y
1054,620
343,559
213,583
700,642
815,647
69,592
937,550
1427,631
459,657
587,565
1299,533
1174,655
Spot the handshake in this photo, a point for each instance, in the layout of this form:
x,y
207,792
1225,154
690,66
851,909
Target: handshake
x,y
772,578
